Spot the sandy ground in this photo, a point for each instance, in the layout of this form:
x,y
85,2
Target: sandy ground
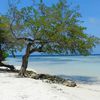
x,y
14,88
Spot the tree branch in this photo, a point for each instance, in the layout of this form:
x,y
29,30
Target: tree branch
x,y
26,39
40,49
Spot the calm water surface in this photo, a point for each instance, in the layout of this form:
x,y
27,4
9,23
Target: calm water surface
x,y
62,65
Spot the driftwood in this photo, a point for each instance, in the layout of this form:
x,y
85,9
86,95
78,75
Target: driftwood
x,y
11,67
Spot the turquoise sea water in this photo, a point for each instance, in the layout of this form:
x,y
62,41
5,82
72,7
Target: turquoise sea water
x,y
62,65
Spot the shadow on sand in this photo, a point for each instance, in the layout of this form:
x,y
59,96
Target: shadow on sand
x,y
82,79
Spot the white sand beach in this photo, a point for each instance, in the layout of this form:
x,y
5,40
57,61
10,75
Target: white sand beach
x,y
14,88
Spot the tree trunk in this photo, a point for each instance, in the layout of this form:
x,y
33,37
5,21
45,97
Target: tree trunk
x,y
11,67
25,61
24,66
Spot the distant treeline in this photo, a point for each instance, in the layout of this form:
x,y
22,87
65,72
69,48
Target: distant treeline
x,y
52,55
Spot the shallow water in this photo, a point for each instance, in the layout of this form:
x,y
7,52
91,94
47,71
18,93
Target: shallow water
x,y
63,65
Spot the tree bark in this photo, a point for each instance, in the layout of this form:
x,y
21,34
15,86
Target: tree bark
x,y
11,67
24,66
25,61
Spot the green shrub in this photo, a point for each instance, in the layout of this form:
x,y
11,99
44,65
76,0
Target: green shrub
x,y
3,55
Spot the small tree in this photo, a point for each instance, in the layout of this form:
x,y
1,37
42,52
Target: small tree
x,y
50,29
8,43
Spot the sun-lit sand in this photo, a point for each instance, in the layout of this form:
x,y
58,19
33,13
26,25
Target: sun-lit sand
x,y
14,88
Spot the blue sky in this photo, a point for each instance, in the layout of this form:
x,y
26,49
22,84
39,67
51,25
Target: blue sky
x,y
89,9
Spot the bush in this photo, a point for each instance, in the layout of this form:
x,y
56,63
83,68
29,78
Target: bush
x,y
3,55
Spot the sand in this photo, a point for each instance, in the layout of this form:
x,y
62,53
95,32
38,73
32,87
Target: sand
x,y
14,88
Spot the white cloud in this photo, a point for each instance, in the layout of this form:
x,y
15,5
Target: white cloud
x,y
94,21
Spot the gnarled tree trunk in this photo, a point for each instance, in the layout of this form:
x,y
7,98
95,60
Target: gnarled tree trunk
x,y
25,61
24,65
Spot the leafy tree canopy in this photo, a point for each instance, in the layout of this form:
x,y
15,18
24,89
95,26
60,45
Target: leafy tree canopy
x,y
52,29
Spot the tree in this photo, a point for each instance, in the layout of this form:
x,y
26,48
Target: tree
x,y
50,29
7,42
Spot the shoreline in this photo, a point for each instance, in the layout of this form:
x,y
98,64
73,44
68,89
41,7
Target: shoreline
x,y
80,66
14,88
